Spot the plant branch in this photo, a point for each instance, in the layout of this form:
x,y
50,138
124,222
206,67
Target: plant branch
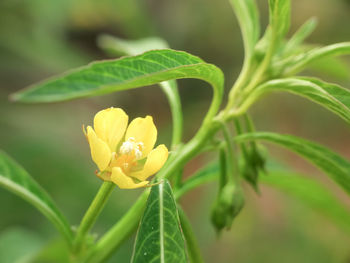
x,y
192,245
119,232
91,215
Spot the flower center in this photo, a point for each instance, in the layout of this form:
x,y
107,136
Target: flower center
x,y
129,152
131,147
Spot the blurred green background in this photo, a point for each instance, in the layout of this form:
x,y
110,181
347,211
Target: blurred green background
x,y
40,38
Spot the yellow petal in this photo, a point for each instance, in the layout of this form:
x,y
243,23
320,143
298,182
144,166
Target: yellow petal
x,y
100,152
124,181
110,125
143,130
155,161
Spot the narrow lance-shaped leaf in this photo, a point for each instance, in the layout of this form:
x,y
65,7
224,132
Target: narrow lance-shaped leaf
x,y
334,67
311,194
330,96
331,163
248,18
295,64
298,38
109,76
119,46
159,238
15,179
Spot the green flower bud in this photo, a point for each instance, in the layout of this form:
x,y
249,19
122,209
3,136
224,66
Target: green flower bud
x,y
253,164
227,206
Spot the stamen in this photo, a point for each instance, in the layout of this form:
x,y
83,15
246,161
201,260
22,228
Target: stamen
x,y
126,148
130,145
138,154
140,145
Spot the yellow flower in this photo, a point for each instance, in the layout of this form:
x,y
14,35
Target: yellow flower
x,y
125,155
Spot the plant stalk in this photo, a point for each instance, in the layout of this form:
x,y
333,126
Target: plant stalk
x,y
91,215
191,242
119,232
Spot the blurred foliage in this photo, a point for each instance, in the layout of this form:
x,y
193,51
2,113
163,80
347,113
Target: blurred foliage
x,y
39,38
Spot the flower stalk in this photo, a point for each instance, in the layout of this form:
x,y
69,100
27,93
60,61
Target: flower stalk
x,y
91,215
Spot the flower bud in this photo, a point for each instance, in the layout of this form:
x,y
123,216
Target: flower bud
x,y
254,163
227,206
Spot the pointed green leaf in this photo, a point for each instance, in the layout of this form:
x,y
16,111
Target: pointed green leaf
x,y
248,18
330,96
331,163
311,194
298,38
105,77
15,179
159,238
295,64
333,67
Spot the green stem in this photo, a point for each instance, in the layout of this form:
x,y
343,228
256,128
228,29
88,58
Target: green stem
x,y
177,182
91,215
192,245
256,80
119,232
239,84
232,163
209,126
239,131
170,90
243,89
223,166
250,128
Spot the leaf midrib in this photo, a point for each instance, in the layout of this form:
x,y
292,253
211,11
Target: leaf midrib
x,y
161,223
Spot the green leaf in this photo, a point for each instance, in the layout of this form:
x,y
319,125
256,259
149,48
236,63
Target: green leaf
x,y
330,96
105,77
311,194
15,179
279,17
331,163
331,66
298,38
295,64
119,46
159,238
248,18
